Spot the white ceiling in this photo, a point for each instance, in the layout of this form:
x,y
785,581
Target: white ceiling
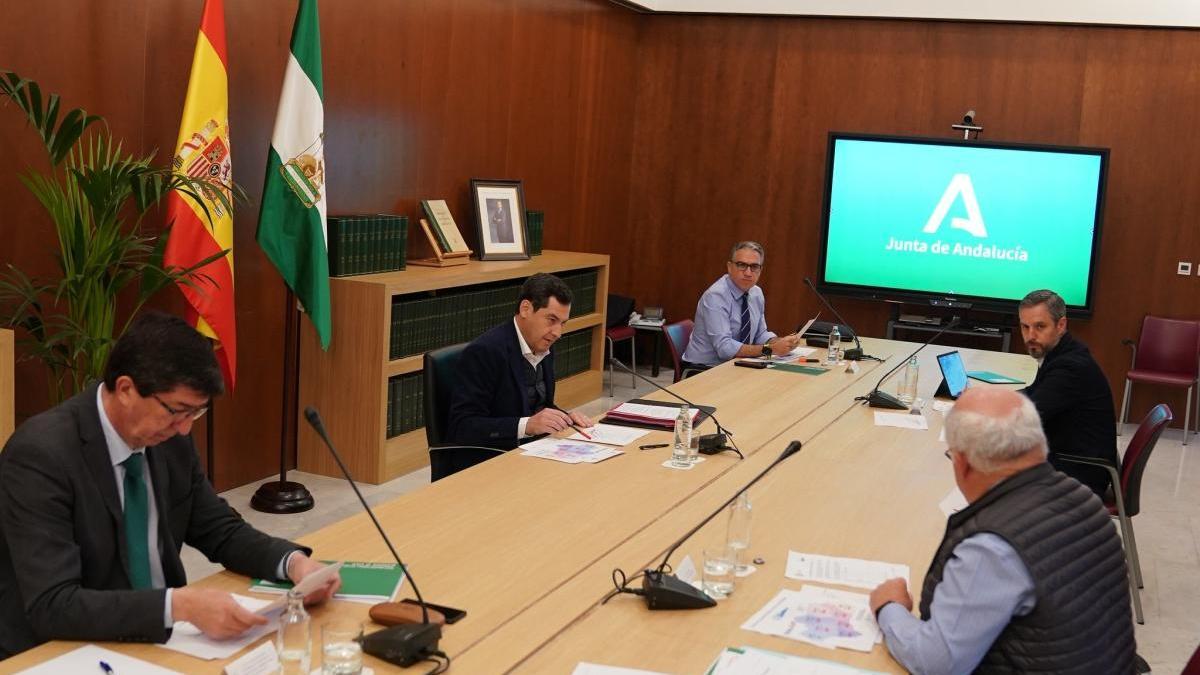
x,y
1176,13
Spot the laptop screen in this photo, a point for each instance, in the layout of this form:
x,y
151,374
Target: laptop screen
x,y
953,371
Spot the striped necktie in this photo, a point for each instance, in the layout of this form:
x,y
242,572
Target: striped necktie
x,y
744,332
137,522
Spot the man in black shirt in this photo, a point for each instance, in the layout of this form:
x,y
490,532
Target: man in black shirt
x,y
1070,391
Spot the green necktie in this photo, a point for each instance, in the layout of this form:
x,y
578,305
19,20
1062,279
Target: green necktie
x,y
137,521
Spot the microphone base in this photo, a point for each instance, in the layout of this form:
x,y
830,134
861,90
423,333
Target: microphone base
x,y
403,645
853,354
879,399
666,591
282,497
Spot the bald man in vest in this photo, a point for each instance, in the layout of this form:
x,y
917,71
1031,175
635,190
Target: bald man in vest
x,y
1030,576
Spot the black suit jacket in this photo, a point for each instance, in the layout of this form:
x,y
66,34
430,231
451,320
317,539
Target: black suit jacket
x,y
64,571
1073,398
489,398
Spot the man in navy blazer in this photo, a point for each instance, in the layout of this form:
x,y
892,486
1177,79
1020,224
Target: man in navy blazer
x,y
505,390
98,494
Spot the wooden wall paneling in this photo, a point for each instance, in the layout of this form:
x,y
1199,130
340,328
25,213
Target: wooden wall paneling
x,y
81,52
1048,84
7,386
1136,87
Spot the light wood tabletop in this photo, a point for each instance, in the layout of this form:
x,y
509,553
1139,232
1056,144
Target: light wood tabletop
x,y
510,538
854,490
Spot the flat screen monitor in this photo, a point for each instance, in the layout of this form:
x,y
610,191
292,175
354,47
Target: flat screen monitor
x,y
944,221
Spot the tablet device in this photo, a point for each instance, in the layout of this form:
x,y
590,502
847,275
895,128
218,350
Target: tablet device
x,y
954,375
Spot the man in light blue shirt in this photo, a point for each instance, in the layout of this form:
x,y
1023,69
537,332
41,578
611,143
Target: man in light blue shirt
x,y
731,317
1030,576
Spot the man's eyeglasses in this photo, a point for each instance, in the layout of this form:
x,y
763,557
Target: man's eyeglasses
x,y
190,414
743,266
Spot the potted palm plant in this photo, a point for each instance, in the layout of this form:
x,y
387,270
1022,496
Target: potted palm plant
x,y
96,195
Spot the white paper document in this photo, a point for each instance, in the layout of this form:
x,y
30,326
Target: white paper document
x,y
610,434
953,502
901,420
87,659
796,353
808,324
753,661
188,639
660,411
570,452
819,616
584,668
307,585
842,571
262,660
943,406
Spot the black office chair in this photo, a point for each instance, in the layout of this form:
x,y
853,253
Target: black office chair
x,y
440,374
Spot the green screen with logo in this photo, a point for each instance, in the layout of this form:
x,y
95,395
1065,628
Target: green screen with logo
x,y
992,222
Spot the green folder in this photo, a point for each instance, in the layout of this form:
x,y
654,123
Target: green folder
x,y
361,581
992,378
793,368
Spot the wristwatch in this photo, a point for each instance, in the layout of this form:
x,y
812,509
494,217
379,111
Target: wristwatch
x,y
766,350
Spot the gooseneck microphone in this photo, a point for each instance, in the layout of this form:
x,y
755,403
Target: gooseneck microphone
x,y
880,399
855,354
663,590
402,645
706,442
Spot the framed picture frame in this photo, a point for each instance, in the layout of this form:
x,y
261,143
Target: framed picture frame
x,y
500,219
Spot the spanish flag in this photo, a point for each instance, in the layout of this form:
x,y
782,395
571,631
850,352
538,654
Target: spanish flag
x,y
203,150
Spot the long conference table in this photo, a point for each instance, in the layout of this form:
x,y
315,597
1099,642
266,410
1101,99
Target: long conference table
x,y
528,546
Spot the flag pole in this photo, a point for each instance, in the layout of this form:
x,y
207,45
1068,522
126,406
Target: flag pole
x,y
284,496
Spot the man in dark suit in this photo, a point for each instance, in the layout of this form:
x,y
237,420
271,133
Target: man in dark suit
x,y
1070,391
98,494
505,389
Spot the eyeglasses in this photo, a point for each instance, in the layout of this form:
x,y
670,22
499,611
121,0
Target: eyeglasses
x,y
189,414
742,266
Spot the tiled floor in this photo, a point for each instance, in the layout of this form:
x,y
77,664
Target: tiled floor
x,y
1167,531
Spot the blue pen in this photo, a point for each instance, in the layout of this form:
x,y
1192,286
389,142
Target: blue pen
x,y
107,668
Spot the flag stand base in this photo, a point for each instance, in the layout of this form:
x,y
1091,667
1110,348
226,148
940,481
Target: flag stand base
x,y
281,497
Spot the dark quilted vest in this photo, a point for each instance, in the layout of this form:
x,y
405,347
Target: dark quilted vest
x,y
1063,534
535,385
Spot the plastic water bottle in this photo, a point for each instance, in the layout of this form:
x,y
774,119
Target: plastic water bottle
x,y
908,384
834,355
738,535
681,452
294,639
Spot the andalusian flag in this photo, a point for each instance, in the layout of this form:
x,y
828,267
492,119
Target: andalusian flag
x,y
203,151
291,225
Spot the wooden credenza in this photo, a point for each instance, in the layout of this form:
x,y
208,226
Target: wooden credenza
x,y
349,384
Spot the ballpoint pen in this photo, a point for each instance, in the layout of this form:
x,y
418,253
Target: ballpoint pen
x,y
572,424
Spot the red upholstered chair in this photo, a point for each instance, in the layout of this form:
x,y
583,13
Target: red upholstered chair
x,y
1167,353
615,335
617,329
678,335
1193,665
1125,500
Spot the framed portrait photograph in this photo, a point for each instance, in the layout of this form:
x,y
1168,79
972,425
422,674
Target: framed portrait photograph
x,y
500,219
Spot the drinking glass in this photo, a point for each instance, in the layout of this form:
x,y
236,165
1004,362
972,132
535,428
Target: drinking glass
x,y
718,572
341,651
